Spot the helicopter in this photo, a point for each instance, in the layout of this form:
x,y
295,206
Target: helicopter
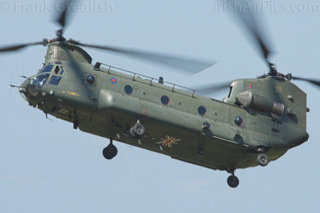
x,y
258,122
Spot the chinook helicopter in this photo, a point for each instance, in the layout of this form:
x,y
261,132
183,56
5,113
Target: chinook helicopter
x,y
258,122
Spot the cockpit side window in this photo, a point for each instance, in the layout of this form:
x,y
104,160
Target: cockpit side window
x,y
47,69
56,70
40,80
56,75
55,80
62,71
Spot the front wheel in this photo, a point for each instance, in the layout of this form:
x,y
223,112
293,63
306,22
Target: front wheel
x,y
138,129
110,151
263,159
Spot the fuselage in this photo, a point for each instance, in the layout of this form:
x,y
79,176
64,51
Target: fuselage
x,y
107,101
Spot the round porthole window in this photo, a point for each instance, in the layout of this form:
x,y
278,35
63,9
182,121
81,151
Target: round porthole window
x,y
91,79
165,100
202,110
238,121
128,89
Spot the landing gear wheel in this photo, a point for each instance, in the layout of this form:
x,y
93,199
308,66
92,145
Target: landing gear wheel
x,y
137,130
233,181
110,151
263,159
75,125
131,133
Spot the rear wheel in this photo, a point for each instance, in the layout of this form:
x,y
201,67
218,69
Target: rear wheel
x,y
233,181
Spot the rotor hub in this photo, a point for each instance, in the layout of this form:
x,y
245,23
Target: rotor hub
x,y
60,35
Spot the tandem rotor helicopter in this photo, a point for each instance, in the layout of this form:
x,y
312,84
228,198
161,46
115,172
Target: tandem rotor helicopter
x,y
258,122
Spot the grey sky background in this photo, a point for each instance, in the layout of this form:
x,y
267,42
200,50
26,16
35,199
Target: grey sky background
x,y
46,166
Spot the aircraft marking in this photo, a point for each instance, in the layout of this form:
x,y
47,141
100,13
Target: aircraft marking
x,y
168,141
114,80
71,93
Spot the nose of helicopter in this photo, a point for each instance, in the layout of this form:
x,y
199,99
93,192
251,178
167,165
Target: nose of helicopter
x,y
24,84
23,89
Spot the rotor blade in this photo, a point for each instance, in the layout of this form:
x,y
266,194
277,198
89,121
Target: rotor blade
x,y
312,81
212,88
253,25
13,86
16,47
185,64
63,13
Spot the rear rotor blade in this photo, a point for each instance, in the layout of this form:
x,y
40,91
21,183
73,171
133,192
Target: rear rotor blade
x,y
185,64
254,26
16,47
312,81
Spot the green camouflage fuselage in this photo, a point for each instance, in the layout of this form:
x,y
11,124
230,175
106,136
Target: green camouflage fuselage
x,y
206,136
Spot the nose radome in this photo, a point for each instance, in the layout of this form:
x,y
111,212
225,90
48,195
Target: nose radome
x,y
23,89
24,86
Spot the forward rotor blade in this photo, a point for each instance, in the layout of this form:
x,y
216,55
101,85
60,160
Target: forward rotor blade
x,y
312,81
185,64
16,47
212,88
62,16
13,86
254,26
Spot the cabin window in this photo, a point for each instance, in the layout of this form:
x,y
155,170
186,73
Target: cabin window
x,y
202,110
165,100
128,89
238,121
91,79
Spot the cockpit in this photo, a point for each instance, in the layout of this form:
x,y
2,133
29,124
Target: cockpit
x,y
38,81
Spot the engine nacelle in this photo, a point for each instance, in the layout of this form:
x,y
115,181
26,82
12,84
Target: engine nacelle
x,y
256,102
272,95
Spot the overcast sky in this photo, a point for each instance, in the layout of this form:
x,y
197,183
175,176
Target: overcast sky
x,y
46,166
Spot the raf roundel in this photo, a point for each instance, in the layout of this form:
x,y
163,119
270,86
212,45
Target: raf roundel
x,y
114,80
